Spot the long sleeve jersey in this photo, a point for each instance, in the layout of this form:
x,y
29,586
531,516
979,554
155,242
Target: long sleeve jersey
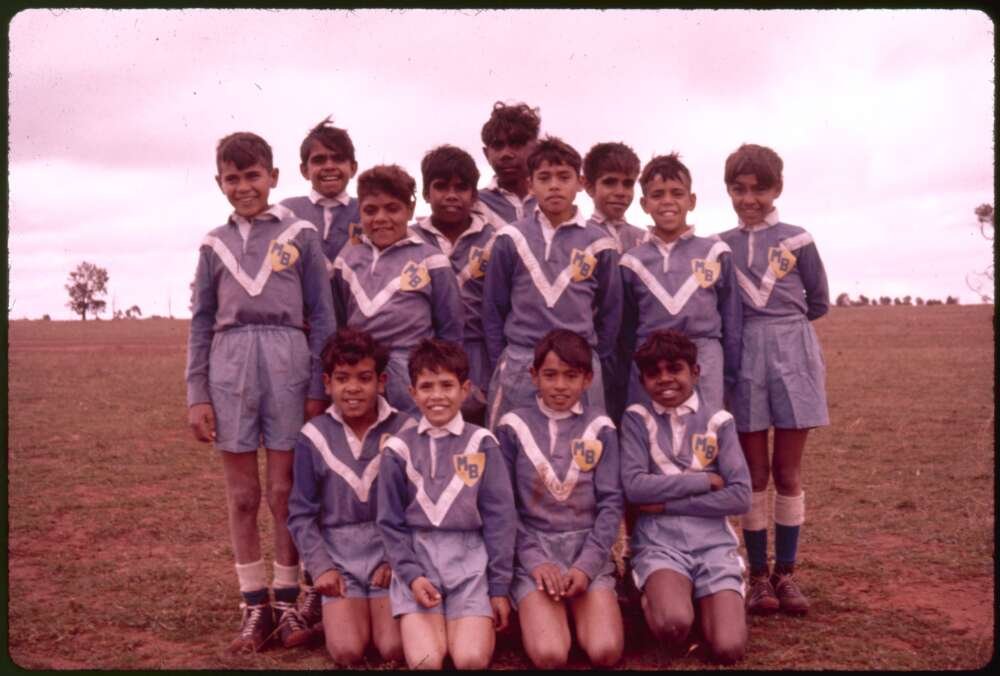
x,y
778,270
469,256
276,276
535,284
626,235
400,295
506,205
449,478
666,454
337,219
688,285
334,480
565,472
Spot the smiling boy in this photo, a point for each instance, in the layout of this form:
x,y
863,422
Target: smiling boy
x,y
549,270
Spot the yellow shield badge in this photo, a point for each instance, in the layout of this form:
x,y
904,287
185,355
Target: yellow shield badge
x,y
354,232
586,453
705,448
470,467
282,255
414,277
582,264
705,271
780,260
478,258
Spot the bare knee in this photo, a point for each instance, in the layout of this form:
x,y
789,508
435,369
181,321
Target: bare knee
x,y
474,659
425,660
389,646
604,653
787,481
549,656
727,650
345,652
669,626
277,497
244,501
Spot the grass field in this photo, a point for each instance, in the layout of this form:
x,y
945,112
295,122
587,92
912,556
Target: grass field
x,y
119,556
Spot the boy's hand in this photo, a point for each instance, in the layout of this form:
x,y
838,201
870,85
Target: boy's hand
x,y
548,579
715,481
655,508
426,593
382,575
201,417
501,612
576,582
314,407
330,583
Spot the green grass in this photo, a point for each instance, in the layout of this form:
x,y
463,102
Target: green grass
x,y
119,555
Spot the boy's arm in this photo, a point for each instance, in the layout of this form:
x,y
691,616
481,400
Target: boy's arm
x,y
305,508
318,306
610,506
734,496
607,305
391,519
643,487
731,311
499,517
496,297
447,309
526,545
814,281
204,304
630,314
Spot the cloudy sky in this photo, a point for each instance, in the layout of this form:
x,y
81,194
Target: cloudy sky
x,y
884,120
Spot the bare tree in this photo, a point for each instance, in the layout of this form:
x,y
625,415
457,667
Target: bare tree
x,y
843,300
86,283
982,282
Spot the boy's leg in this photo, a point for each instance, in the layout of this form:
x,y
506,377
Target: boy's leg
x,y
292,628
724,625
761,599
385,629
471,641
789,514
425,640
544,630
666,602
599,627
346,643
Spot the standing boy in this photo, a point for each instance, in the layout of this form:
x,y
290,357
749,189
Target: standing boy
x,y
509,136
609,174
782,380
394,285
446,513
250,369
331,511
462,231
328,164
550,270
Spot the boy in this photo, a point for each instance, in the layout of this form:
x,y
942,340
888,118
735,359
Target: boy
x,y
681,463
250,368
331,511
550,270
782,381
328,164
394,285
563,460
677,280
609,174
464,233
446,514
509,136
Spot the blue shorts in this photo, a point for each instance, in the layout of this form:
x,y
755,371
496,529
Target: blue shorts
x,y
710,384
782,379
511,386
356,550
714,566
455,563
397,386
562,550
258,376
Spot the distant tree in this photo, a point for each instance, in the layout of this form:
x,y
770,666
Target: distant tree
x,y
862,300
897,301
982,282
133,312
86,283
933,301
907,300
920,301
885,300
843,300
951,300
46,318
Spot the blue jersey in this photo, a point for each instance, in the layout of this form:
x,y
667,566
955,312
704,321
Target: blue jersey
x,y
508,207
451,478
336,219
626,235
276,276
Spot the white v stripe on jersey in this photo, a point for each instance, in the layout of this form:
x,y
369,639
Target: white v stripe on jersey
x,y
464,275
659,457
370,306
675,303
550,292
435,511
760,295
361,485
253,286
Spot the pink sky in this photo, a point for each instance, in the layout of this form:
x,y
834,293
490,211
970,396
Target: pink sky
x,y
884,119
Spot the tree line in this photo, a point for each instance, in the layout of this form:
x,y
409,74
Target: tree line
x,y
843,300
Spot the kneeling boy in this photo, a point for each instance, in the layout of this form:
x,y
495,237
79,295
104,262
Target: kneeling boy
x,y
682,463
330,513
446,515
